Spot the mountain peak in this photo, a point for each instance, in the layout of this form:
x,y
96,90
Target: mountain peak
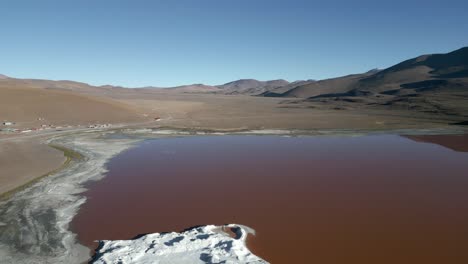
x,y
461,50
376,70
242,82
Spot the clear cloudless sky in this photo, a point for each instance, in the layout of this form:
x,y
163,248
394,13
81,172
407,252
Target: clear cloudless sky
x,y
173,42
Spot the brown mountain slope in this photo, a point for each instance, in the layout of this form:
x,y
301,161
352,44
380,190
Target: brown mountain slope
x,y
244,86
311,88
428,75
423,74
193,88
435,84
251,86
315,88
46,84
453,65
450,65
64,85
25,106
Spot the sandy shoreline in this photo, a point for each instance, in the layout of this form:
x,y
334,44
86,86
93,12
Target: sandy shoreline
x,y
24,161
34,221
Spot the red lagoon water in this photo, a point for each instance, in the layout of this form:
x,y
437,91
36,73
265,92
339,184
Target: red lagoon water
x,y
371,199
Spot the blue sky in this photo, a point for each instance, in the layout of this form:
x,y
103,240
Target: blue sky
x,y
166,43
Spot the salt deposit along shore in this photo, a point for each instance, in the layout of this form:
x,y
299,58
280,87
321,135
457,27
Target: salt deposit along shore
x,y
34,222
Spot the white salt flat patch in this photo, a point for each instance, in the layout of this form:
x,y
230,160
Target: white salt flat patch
x,y
266,132
170,132
206,244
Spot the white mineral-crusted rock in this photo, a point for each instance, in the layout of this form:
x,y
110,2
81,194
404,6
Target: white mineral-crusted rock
x,y
206,244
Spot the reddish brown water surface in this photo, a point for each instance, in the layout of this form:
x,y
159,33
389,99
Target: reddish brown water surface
x,y
370,199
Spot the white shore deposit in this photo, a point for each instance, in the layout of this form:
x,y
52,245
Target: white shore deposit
x,y
34,221
206,244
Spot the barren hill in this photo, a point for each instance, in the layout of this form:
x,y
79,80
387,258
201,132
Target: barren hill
x,y
193,88
424,73
32,107
251,86
329,86
425,70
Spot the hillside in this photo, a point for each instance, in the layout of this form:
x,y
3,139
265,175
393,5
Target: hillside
x,y
329,86
193,88
424,73
435,84
251,86
32,107
433,71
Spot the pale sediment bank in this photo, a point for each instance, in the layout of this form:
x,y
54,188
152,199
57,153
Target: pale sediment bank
x,y
34,221
24,161
69,156
155,132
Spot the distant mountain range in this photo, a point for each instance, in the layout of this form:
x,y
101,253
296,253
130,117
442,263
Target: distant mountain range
x,y
251,86
422,74
430,84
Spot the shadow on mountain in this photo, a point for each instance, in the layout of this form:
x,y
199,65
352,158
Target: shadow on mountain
x,y
454,142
